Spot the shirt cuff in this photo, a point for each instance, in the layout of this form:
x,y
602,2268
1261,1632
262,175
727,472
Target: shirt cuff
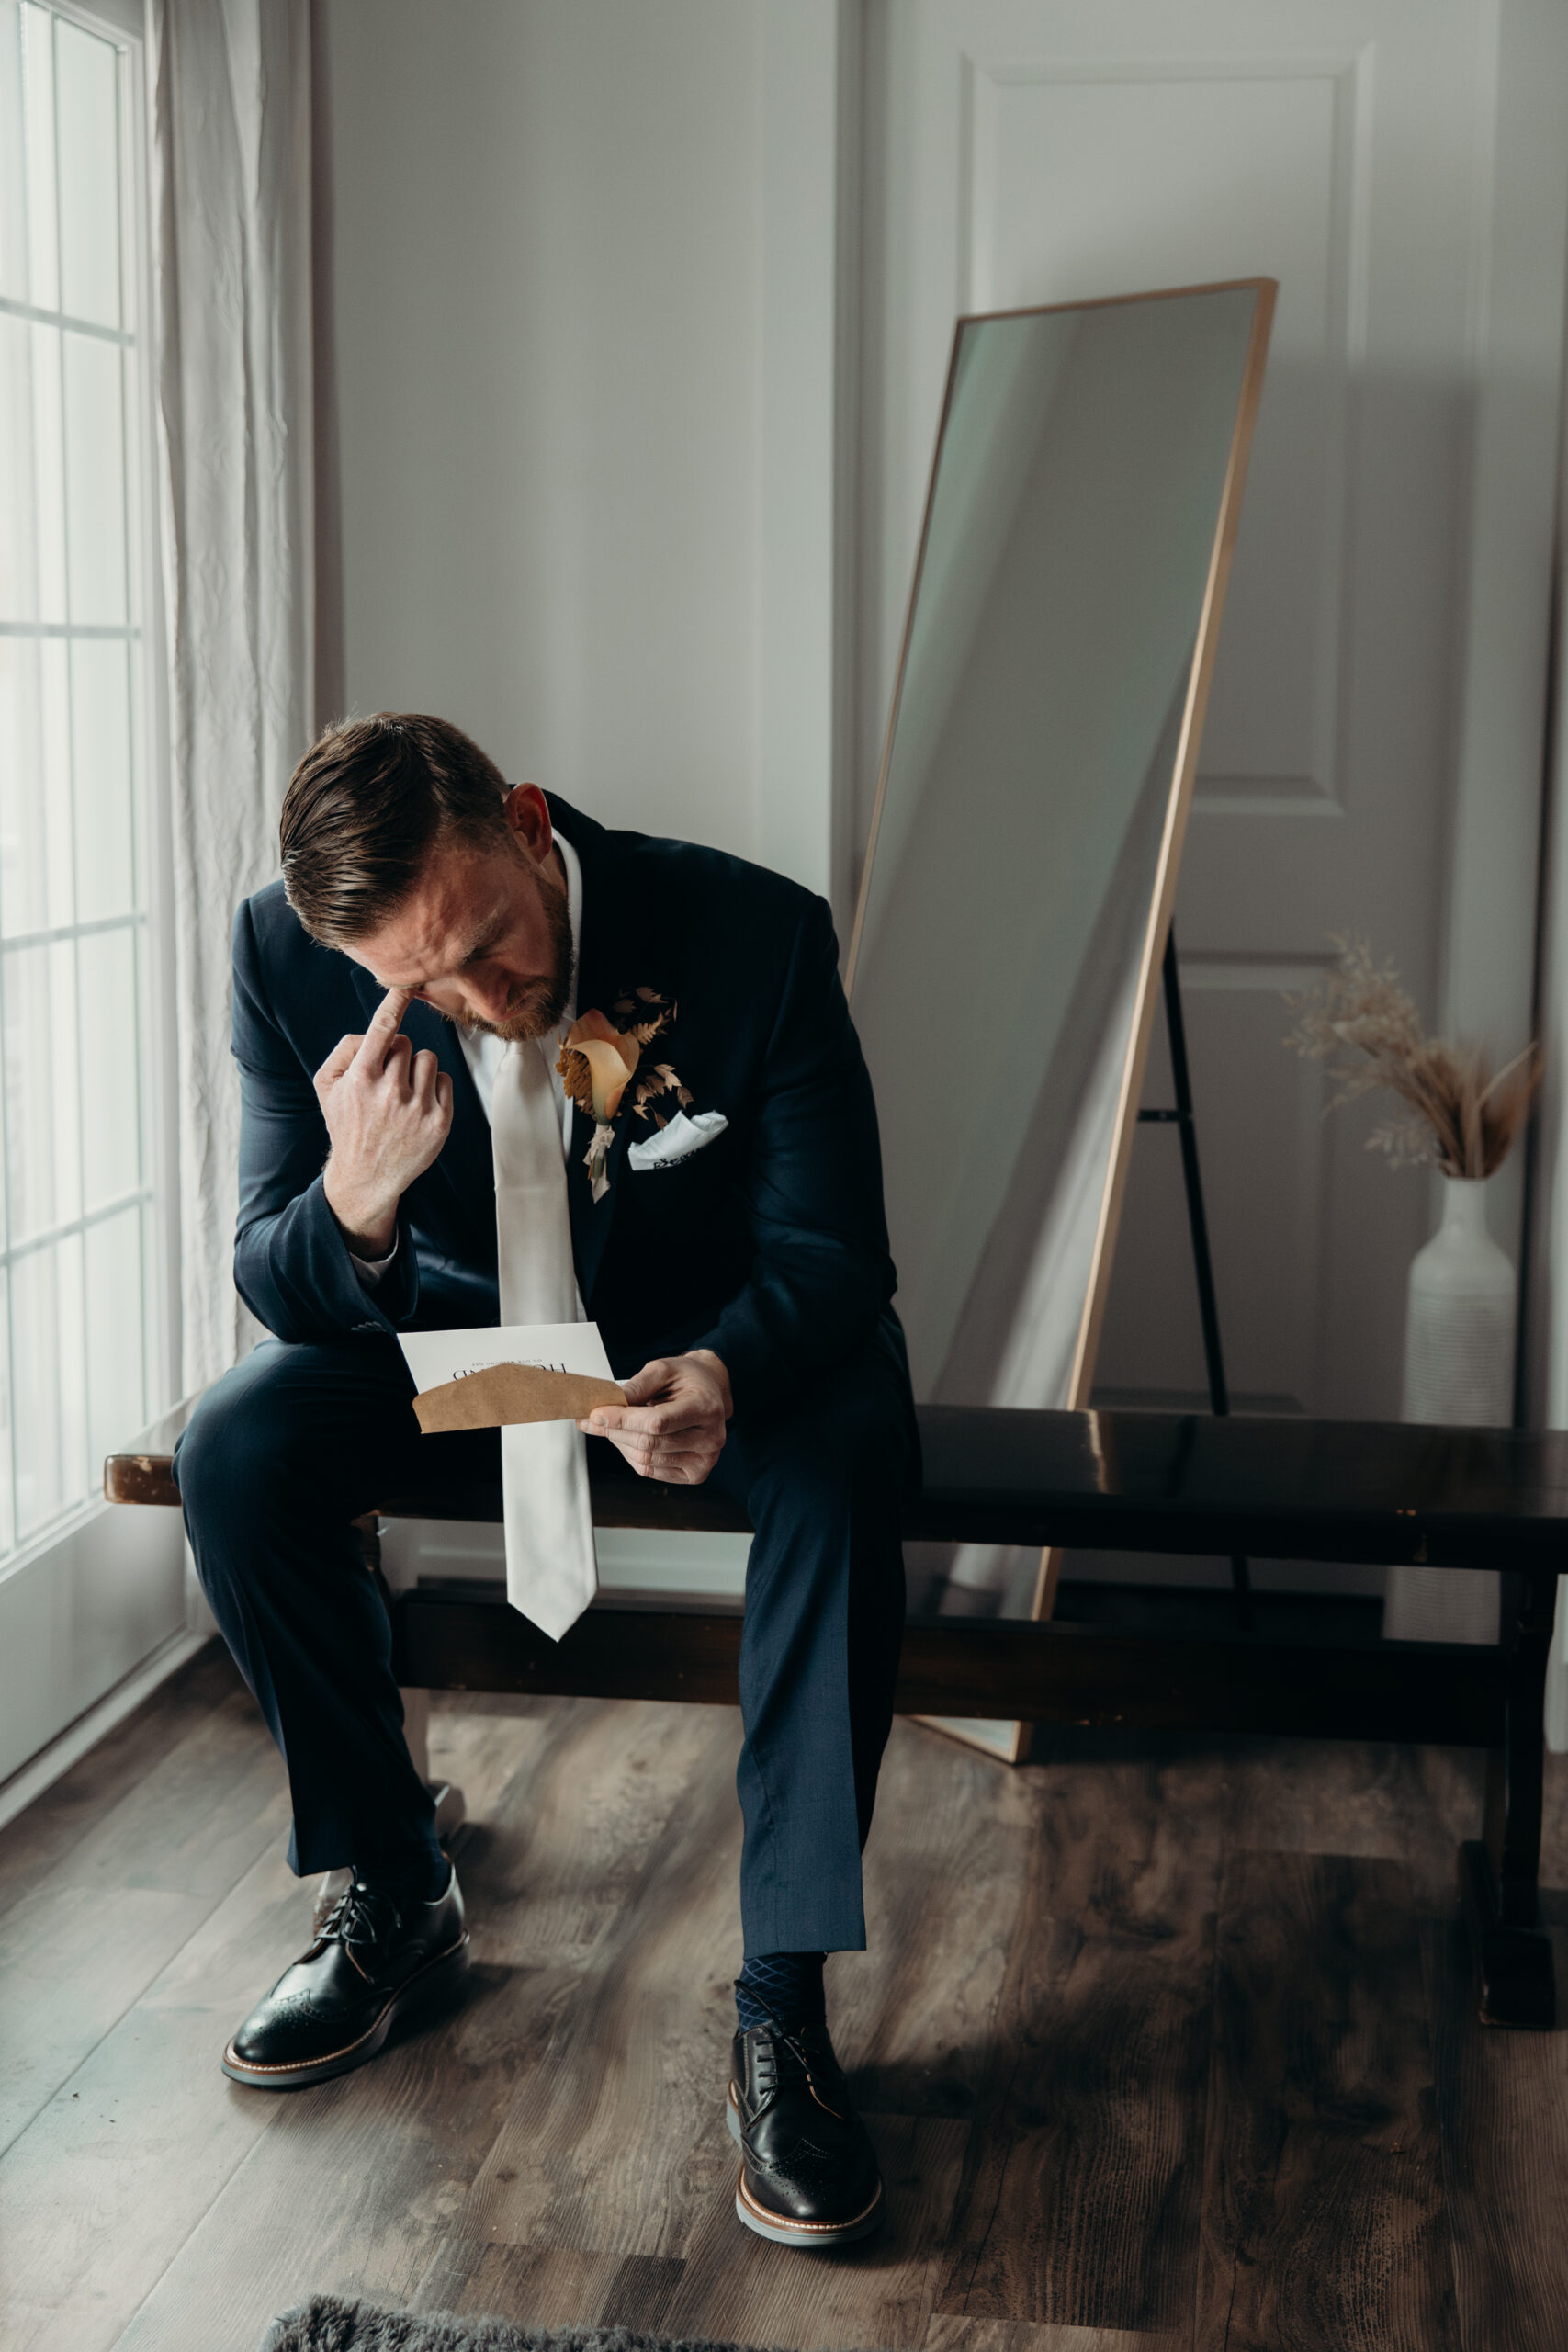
x,y
370,1269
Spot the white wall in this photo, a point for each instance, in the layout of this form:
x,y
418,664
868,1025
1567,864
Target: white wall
x,y
547,316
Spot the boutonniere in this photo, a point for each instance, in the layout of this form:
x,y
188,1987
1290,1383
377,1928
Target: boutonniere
x,y
599,1058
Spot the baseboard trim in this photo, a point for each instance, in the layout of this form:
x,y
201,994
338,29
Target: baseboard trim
x,y
69,1746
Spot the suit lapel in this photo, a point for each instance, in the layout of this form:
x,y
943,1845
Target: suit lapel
x,y
611,955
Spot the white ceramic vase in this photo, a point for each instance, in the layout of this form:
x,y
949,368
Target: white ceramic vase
x,y
1459,1336
1458,1371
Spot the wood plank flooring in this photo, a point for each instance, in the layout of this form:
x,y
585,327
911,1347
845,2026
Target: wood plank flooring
x,y
1167,2045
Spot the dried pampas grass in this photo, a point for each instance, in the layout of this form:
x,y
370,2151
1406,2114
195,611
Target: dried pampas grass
x,y
1460,1116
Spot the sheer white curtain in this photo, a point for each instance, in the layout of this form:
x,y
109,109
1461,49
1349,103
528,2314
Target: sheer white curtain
x,y
1546,1388
237,394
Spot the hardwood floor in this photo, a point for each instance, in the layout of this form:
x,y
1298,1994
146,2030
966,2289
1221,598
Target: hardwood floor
x,y
1165,2043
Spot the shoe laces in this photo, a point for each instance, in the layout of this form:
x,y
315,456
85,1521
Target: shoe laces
x,y
796,2048
362,1915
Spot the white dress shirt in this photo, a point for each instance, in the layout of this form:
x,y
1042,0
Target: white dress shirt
x,y
482,1052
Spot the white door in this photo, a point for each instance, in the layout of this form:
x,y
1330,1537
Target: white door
x,y
1379,693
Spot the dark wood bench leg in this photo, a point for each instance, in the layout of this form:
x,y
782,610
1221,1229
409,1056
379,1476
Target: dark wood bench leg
x,y
1500,1872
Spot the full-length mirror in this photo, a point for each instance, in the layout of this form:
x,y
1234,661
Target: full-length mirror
x,y
1018,888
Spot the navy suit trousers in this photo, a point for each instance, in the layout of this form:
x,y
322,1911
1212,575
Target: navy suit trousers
x,y
299,1439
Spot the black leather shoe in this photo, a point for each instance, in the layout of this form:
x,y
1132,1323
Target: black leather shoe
x,y
807,2174
371,1962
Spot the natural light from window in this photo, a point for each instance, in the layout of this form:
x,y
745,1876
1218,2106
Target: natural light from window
x,y
77,1202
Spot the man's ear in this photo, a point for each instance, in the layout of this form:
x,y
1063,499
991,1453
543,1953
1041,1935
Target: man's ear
x,y
529,816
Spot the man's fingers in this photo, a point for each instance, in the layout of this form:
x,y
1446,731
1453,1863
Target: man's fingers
x,y
338,1061
668,1457
647,1421
687,1440
384,1024
388,1016
424,1073
678,1467
680,1436
606,1420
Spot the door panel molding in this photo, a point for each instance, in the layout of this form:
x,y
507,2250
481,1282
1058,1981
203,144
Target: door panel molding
x,y
1319,152
1374,745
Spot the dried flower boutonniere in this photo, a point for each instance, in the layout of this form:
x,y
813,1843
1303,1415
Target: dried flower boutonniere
x,y
599,1057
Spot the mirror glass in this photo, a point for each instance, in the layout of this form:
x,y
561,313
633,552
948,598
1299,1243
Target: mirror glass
x,y
1018,886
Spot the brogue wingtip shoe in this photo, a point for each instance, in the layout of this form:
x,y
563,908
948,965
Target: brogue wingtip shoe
x,y
809,2173
370,1964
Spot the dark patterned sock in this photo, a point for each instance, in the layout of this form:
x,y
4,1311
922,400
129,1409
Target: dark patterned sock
x,y
418,1877
780,1988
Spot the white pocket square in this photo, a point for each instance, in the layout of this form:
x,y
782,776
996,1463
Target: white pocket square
x,y
678,1140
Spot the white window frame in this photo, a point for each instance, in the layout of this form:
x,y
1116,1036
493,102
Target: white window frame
x,y
95,1605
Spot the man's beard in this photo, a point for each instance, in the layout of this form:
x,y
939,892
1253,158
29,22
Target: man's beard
x,y
540,1002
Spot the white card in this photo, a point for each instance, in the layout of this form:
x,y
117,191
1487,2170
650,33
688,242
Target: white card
x,y
435,1357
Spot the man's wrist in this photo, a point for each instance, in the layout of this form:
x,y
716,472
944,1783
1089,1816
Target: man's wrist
x,y
369,1227
720,1370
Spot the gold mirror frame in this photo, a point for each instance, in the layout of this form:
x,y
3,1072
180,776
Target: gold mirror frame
x,y
1010,1742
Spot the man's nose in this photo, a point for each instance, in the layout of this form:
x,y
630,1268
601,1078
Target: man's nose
x,y
462,999
487,998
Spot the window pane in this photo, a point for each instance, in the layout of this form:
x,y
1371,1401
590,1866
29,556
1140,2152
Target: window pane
x,y
49,473
86,80
38,113
117,1397
13,158
18,563
36,888
95,480
54,781
75,1374
32,503
111,1148
100,709
24,874
42,1145
50,1390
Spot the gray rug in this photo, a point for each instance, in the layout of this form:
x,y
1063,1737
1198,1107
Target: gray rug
x,y
328,2325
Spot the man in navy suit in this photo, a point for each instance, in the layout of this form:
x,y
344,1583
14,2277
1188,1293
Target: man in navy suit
x,y
429,915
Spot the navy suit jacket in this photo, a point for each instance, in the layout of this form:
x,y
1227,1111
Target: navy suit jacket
x,y
769,1245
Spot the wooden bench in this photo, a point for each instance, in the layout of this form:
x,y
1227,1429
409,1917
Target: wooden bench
x,y
1286,1488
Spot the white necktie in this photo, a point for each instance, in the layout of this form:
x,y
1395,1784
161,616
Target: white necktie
x,y
551,1572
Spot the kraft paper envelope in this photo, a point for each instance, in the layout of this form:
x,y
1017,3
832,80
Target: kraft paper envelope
x,y
506,1392
495,1376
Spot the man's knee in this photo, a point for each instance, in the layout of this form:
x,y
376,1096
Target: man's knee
x,y
833,1473
266,1434
236,1429
850,1436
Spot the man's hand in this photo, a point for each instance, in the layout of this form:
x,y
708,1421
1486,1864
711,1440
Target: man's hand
x,y
671,1426
388,1112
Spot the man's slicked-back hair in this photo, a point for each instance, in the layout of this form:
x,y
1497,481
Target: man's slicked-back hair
x,y
365,808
